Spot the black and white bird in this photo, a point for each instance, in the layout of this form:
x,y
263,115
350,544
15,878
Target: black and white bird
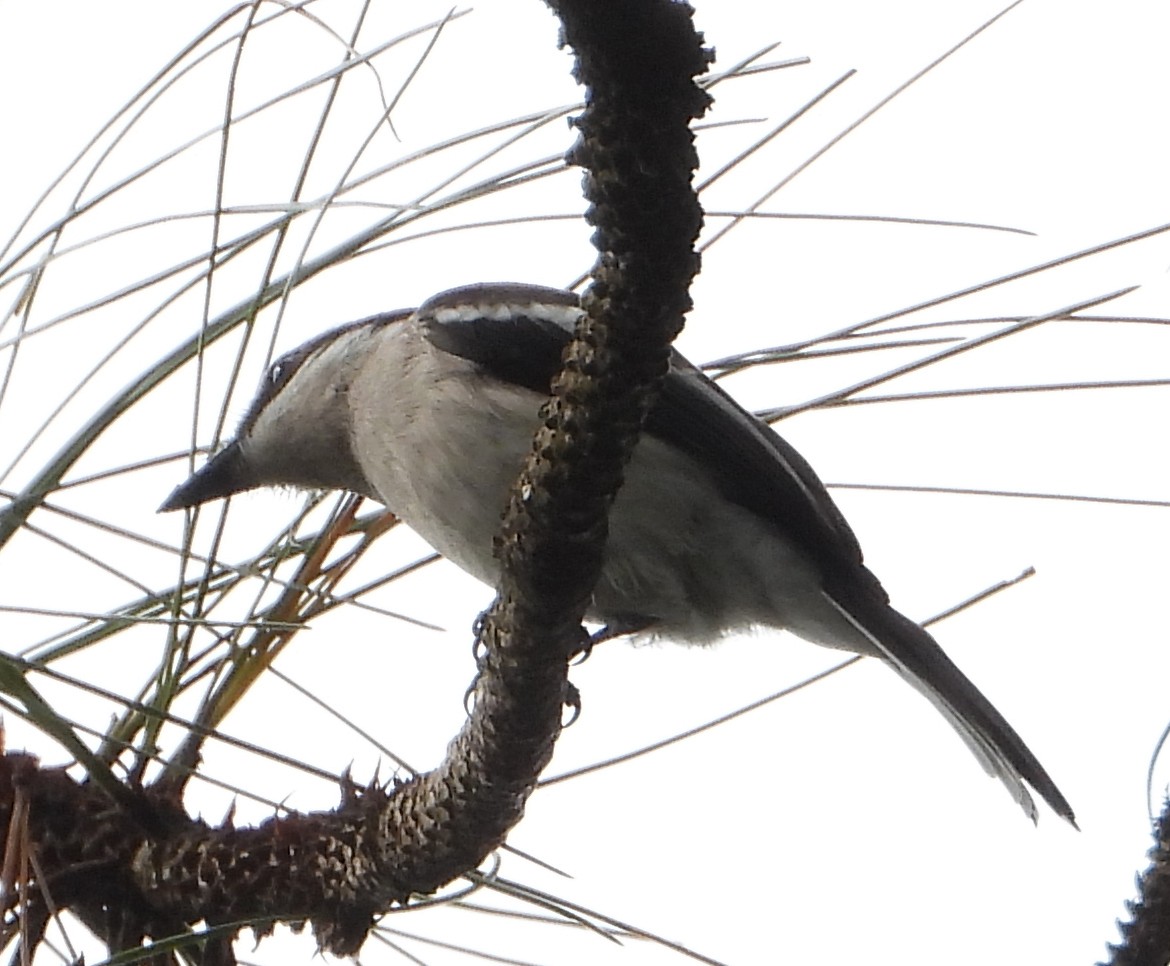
x,y
719,526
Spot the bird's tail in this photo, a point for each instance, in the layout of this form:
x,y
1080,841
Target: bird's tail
x,y
917,657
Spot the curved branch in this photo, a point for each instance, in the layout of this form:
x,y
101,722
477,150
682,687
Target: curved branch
x,y
339,869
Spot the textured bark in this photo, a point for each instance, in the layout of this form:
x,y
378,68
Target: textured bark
x,y
337,870
1146,937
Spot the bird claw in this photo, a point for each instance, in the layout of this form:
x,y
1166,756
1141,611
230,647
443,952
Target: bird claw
x,y
572,701
619,627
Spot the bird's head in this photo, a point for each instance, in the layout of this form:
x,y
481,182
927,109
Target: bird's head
x,y
297,430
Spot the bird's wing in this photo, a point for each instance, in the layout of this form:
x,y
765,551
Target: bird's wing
x,y
916,656
517,333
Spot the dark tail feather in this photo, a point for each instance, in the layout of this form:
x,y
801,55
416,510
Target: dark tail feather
x,y
916,656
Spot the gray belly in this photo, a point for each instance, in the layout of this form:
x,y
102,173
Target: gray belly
x,y
679,555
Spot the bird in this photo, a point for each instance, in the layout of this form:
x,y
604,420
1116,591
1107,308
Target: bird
x,y
720,525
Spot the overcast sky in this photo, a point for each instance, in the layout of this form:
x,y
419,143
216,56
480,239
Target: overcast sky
x,y
845,823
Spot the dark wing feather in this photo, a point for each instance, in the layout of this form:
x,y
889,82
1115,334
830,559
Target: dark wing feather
x,y
917,657
523,350
751,465
756,469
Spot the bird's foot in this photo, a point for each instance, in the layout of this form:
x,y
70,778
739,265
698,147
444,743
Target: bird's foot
x,y
618,627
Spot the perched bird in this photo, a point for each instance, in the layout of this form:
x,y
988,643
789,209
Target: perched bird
x,y
720,525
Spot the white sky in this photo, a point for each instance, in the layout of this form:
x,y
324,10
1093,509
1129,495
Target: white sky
x,y
846,823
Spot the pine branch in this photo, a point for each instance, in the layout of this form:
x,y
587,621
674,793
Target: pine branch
x,y
1146,937
339,869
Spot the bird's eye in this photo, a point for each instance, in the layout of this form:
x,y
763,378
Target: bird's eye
x,y
277,372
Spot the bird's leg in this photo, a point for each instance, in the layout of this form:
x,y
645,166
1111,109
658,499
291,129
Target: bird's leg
x,y
617,627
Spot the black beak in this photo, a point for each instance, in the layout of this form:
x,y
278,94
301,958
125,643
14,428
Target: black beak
x,y
222,475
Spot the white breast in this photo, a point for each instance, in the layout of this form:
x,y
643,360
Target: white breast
x,y
442,444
